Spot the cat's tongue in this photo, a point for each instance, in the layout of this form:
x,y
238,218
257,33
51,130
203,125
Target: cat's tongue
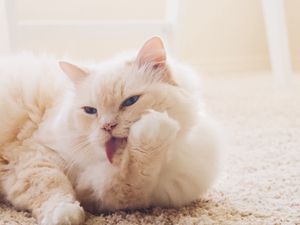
x,y
111,146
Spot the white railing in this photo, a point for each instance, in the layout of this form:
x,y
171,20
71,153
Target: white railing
x,y
277,35
22,30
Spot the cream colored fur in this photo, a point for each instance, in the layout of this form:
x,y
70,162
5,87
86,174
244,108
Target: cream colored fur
x,y
52,153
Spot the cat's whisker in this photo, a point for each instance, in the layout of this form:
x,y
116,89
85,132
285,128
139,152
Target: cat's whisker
x,y
78,147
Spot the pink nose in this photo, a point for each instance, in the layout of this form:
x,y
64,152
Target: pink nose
x,y
109,126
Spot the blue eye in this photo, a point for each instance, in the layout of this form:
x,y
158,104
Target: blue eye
x,y
130,101
89,110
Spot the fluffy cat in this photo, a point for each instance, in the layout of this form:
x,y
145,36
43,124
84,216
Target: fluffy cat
x,y
124,134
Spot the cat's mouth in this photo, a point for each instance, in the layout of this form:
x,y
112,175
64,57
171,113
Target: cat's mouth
x,y
112,145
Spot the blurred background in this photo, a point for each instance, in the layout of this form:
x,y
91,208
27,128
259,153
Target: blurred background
x,y
215,35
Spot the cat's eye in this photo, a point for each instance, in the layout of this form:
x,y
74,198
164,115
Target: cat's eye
x,y
89,110
130,101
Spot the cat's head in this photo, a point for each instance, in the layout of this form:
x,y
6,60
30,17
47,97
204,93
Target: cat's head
x,y
111,97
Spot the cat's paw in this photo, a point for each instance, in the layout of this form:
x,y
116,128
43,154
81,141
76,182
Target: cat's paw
x,y
154,128
64,214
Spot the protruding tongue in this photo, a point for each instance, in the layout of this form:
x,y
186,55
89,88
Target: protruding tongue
x,y
111,146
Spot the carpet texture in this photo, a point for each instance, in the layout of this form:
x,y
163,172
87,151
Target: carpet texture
x,y
260,178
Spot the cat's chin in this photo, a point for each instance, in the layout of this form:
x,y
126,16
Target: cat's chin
x,y
113,145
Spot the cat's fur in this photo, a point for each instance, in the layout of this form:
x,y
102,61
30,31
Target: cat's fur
x,y
53,154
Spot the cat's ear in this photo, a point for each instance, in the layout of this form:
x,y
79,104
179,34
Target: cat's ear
x,y
75,73
153,52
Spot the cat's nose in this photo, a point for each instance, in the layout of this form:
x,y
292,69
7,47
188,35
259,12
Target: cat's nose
x,y
109,126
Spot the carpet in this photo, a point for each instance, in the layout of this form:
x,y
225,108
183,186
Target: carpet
x,y
260,178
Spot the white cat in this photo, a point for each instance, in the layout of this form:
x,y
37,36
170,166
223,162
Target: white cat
x,y
128,133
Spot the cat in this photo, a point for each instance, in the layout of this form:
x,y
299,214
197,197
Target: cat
x,y
124,134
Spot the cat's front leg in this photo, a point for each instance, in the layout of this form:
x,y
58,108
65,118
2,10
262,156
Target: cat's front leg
x,y
152,134
148,141
34,181
61,210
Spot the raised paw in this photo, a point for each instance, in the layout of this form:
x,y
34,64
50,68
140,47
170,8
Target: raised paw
x,y
64,214
154,128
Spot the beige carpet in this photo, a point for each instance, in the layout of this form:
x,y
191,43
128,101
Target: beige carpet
x,y
260,180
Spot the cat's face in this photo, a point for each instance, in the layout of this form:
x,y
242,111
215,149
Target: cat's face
x,y
109,102
109,99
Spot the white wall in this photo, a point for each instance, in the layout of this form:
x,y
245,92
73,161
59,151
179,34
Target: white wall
x,y
87,42
217,35
4,38
227,34
293,24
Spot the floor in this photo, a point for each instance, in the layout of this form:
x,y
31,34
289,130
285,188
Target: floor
x,y
260,178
